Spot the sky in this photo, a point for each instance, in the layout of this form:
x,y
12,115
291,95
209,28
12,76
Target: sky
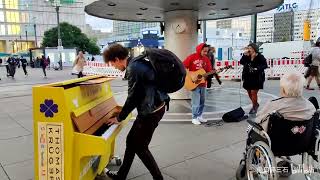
x,y
106,25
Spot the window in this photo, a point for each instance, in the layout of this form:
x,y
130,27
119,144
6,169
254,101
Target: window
x,y
2,29
11,4
13,29
12,16
1,16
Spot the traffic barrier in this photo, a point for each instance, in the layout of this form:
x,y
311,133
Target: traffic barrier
x,y
276,68
101,68
71,139
231,69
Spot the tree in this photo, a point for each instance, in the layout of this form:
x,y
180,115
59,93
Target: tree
x,y
71,36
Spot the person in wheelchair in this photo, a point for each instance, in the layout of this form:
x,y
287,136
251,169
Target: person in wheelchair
x,y
291,105
285,127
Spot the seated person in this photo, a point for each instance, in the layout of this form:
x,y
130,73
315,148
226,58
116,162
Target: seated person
x,y
292,106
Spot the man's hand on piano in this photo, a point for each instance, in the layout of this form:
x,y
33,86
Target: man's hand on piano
x,y
112,121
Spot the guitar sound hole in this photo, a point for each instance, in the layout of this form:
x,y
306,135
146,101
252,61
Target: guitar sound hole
x,y
199,76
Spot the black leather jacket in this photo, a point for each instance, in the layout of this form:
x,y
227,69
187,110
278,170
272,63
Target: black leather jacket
x,y
142,92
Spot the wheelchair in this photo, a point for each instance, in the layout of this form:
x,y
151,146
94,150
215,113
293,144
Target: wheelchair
x,y
282,140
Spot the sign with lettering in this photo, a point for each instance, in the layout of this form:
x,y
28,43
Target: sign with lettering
x,y
51,152
288,7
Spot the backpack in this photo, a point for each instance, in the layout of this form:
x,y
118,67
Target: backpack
x,y
308,60
170,72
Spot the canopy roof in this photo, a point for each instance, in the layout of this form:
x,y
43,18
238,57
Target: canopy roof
x,y
153,10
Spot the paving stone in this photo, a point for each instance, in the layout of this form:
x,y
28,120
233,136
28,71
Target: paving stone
x,y
16,150
21,171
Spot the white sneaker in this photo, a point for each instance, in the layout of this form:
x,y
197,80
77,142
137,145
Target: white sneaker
x,y
196,122
201,119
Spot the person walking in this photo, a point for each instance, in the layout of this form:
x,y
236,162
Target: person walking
x,y
79,64
253,74
314,67
43,65
24,65
144,95
194,62
48,62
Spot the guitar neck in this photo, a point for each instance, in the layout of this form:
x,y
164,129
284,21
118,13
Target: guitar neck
x,y
209,73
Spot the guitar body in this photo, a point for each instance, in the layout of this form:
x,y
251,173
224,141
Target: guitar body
x,y
191,81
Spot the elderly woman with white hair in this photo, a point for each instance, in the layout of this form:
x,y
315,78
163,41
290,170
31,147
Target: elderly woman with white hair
x,y
291,105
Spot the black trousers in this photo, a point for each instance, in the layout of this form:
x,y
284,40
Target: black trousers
x,y
24,67
138,141
44,70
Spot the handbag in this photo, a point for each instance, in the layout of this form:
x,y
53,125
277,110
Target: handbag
x,y
235,115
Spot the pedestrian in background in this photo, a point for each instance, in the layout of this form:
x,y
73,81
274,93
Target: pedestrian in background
x,y
314,67
79,64
48,61
253,74
43,64
24,65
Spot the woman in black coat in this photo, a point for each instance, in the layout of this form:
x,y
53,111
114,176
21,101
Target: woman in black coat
x,y
253,74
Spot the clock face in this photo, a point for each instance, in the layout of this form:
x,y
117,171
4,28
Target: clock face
x,y
179,26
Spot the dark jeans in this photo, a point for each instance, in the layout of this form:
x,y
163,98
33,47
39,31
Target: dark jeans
x,y
138,141
24,67
44,70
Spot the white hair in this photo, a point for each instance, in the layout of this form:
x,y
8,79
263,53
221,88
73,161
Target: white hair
x,y
292,84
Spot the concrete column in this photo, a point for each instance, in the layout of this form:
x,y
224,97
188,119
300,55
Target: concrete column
x,y
181,40
254,28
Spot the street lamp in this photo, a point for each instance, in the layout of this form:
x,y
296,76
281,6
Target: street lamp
x,y
56,4
26,30
35,31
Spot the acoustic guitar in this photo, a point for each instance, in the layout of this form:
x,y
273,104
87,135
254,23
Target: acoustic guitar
x,y
194,78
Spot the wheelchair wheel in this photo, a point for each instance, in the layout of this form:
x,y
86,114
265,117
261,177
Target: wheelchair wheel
x,y
260,162
311,167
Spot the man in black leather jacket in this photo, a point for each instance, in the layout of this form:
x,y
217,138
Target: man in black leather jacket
x,y
150,104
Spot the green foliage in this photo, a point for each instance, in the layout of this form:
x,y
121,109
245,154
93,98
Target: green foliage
x,y
71,36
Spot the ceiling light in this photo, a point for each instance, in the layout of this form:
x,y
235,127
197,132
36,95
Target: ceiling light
x,y
112,4
143,9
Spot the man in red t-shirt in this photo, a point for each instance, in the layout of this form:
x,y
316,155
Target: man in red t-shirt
x,y
194,62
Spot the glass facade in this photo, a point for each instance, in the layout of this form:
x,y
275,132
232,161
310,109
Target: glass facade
x,y
123,30
22,19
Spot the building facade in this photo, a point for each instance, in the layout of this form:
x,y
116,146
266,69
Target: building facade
x,y
242,24
123,30
283,27
21,20
271,26
265,28
96,34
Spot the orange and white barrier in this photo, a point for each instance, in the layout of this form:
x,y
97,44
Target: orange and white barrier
x,y
232,69
277,68
101,68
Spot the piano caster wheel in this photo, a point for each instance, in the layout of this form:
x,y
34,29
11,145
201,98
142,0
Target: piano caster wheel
x,y
118,161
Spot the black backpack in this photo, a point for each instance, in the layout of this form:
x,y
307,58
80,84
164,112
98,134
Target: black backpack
x,y
170,72
308,60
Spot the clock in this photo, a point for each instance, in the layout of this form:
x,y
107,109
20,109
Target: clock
x,y
179,26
